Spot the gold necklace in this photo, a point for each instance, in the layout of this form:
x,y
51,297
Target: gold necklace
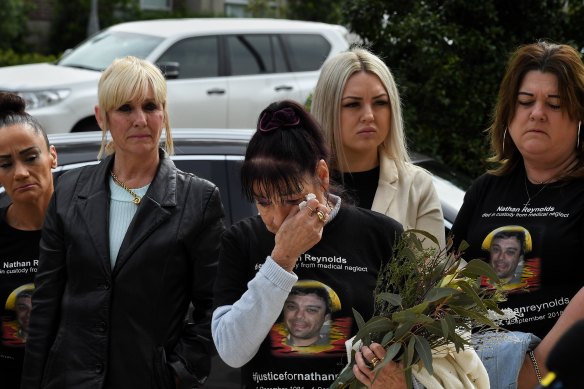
x,y
136,199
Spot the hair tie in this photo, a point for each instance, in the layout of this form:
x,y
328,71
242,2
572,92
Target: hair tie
x,y
285,117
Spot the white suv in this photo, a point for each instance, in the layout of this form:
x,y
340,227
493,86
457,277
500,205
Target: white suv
x,y
221,72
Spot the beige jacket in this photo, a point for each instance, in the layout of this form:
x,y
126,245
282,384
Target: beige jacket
x,y
408,195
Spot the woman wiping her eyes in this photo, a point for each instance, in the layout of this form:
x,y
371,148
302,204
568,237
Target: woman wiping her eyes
x,y
289,278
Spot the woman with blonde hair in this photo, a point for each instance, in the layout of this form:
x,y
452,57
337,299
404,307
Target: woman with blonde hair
x,y
357,104
127,245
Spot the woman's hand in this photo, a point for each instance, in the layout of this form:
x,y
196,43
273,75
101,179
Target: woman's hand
x,y
390,376
300,231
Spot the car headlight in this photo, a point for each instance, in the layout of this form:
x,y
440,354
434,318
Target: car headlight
x,y
43,98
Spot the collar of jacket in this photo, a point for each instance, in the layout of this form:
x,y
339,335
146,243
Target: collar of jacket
x,y
162,189
387,185
156,206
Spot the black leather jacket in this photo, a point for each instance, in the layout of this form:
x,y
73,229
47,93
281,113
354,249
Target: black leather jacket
x,y
97,327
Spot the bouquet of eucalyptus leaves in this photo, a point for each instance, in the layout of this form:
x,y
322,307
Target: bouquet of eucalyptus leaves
x,y
425,298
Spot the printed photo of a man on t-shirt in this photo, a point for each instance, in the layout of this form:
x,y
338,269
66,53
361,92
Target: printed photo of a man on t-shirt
x,y
16,316
507,247
306,324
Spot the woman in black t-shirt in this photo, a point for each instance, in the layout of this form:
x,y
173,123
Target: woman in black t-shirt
x,y
26,159
289,279
534,196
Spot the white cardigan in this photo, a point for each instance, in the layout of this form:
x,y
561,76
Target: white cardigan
x,y
408,195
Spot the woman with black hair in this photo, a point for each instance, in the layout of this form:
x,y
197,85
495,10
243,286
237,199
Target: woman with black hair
x,y
303,232
26,160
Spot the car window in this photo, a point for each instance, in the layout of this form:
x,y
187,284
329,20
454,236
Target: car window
x,y
250,54
197,57
279,59
307,52
98,52
223,171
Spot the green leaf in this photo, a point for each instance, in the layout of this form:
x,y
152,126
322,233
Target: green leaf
x,y
345,379
408,254
459,342
473,315
376,324
409,316
463,246
403,329
424,352
420,308
391,298
493,306
445,328
358,318
438,271
410,351
410,356
470,292
387,338
436,294
435,329
478,267
451,324
356,384
409,381
393,350
461,300
424,233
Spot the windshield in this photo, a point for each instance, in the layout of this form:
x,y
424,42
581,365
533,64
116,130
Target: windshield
x,y
99,51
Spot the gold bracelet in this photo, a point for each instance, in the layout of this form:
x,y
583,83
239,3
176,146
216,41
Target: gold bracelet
x,y
535,366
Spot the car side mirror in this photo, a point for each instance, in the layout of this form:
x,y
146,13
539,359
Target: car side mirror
x,y
171,70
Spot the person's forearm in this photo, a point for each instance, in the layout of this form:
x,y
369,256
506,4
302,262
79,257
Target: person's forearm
x,y
239,329
573,313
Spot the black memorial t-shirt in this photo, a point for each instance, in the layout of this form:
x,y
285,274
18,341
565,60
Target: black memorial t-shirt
x,y
550,221
346,262
19,253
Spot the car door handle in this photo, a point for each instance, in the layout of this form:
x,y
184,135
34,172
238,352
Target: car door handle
x,y
216,91
283,87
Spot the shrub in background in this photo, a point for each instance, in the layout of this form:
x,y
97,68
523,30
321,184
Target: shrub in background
x,y
69,27
10,58
448,58
13,27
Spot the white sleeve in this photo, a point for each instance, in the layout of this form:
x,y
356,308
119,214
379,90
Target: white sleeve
x,y
239,329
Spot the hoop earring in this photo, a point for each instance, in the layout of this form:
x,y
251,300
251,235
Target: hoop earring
x,y
504,136
578,139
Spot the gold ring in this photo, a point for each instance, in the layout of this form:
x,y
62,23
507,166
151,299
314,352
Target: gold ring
x,y
374,362
321,216
311,210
